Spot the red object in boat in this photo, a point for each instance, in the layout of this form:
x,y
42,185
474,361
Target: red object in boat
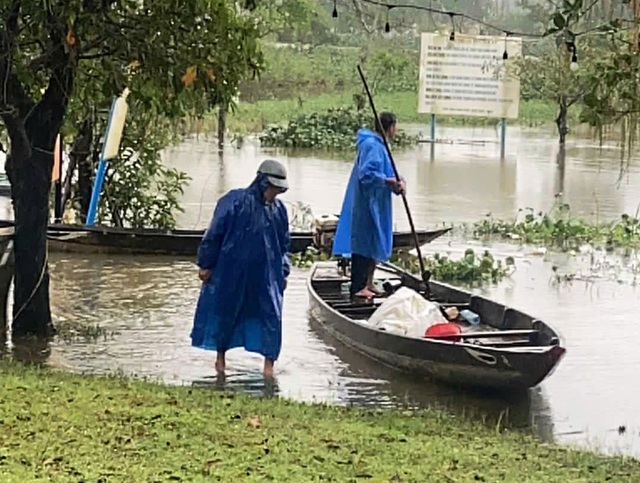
x,y
447,330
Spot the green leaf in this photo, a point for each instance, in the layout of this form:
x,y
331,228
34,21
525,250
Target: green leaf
x,y
559,20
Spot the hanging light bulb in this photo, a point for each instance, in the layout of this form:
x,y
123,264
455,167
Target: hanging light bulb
x,y
387,27
505,54
334,14
574,59
452,36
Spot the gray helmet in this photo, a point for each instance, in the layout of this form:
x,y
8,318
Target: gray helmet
x,y
276,173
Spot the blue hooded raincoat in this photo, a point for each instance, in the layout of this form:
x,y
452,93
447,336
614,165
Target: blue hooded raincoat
x,y
246,248
365,226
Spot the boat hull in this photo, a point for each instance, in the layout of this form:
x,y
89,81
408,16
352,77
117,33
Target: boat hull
x,y
451,362
83,239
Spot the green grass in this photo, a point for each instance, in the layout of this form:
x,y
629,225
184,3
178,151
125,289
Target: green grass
x,y
61,427
254,117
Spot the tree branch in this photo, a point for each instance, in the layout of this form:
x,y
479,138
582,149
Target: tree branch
x,y
63,63
14,101
369,29
97,55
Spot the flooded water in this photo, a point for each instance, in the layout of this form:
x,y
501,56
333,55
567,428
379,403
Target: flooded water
x,y
146,304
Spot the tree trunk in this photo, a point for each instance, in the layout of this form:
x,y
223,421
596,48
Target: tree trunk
x,y
85,183
29,171
32,128
79,153
563,128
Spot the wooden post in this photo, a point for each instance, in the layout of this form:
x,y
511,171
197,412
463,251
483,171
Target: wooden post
x,y
433,136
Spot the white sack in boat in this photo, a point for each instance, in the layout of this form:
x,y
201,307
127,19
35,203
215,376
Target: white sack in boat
x,y
407,313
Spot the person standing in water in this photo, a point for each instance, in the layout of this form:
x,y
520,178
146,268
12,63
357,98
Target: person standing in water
x,y
365,227
243,262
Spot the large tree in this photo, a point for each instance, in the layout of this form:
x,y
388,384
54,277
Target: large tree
x,y
161,50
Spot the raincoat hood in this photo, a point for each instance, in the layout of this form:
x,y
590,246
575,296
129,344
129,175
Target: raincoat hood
x,y
364,134
259,185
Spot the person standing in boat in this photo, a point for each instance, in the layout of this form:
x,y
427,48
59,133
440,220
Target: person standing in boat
x,y
243,262
365,226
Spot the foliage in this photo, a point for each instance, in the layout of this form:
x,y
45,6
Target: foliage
x,y
614,96
141,192
471,269
310,256
390,72
207,48
115,45
139,431
549,76
306,70
298,71
559,229
334,130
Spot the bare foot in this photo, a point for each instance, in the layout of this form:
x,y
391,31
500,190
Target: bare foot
x,y
220,364
268,369
373,289
365,293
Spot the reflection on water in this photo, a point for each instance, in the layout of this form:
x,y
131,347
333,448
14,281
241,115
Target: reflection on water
x,y
146,305
463,183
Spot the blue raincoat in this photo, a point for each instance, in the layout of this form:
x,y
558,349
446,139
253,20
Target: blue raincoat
x,y
365,226
246,248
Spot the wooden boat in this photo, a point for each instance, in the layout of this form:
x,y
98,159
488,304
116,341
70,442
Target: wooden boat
x,y
6,271
510,350
5,186
97,239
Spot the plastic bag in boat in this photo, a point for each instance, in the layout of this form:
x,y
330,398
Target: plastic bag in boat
x,y
407,313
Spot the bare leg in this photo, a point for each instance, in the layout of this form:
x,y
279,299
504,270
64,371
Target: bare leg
x,y
370,286
268,369
220,363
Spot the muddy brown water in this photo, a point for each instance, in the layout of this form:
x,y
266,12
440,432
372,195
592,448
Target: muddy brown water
x,y
146,304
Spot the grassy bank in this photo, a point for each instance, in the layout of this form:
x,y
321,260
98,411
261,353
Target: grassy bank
x,y
61,427
254,117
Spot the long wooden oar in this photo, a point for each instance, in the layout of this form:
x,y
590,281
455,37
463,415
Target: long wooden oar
x,y
426,275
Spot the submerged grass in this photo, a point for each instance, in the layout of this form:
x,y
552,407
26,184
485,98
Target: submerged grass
x,y
62,427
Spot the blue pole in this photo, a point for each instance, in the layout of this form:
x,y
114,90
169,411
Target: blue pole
x,y
95,194
503,136
433,136
99,180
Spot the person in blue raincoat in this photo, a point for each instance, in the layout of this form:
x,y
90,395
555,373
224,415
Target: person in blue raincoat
x,y
365,226
244,264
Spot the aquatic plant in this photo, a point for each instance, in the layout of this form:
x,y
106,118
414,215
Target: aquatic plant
x,y
308,258
559,229
72,331
470,269
333,130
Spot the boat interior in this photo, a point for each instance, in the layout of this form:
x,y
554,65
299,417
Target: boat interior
x,y
500,327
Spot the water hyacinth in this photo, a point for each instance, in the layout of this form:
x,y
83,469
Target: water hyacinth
x,y
469,270
559,229
333,130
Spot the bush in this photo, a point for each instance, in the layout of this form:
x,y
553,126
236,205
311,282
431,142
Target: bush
x,y
334,130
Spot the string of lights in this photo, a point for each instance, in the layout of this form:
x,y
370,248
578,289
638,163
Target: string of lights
x,y
452,15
